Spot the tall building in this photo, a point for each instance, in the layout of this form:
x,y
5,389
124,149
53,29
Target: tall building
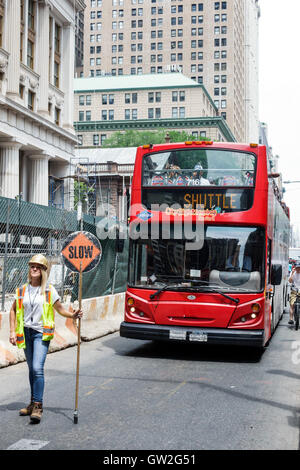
x,y
37,138
212,42
79,34
168,101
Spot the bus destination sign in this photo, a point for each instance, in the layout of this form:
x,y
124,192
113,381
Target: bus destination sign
x,y
209,199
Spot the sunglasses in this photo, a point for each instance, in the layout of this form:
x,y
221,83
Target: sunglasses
x,y
36,266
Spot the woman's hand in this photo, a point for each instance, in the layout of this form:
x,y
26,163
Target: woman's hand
x,y
13,338
77,314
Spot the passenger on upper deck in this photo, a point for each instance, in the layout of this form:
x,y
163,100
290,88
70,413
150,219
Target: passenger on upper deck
x,y
197,177
249,178
174,178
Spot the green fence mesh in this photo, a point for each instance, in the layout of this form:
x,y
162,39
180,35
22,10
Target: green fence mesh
x,y
27,229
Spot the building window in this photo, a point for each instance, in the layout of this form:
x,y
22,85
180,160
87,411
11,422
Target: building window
x,y
81,115
21,91
31,14
57,49
31,100
30,54
56,74
22,29
96,139
57,116
88,115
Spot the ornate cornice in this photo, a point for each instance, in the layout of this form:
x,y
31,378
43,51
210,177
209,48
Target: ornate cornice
x,y
148,124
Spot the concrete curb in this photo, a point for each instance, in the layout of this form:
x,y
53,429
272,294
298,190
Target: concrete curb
x,y
101,316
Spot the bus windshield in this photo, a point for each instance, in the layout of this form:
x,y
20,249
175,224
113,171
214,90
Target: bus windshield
x,y
199,167
231,259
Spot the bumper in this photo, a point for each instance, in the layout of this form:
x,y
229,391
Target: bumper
x,y
216,336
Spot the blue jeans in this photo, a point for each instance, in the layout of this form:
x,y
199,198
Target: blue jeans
x,y
35,353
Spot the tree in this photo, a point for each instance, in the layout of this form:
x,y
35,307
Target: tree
x,y
81,192
133,138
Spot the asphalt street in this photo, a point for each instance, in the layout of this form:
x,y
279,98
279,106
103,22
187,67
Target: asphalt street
x,y
139,395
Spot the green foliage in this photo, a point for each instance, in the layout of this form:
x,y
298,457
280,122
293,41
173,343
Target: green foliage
x,y
81,192
132,138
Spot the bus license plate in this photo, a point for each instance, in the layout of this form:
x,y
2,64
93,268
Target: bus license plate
x,y
177,334
198,336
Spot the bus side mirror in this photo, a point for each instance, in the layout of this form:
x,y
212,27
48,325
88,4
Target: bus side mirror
x,y
276,274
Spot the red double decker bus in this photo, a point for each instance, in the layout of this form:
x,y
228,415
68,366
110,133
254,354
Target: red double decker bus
x,y
209,240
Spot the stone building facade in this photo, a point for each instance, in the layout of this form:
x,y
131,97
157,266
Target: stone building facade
x,y
171,101
37,137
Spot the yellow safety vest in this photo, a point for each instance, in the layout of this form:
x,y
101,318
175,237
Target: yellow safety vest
x,y
47,316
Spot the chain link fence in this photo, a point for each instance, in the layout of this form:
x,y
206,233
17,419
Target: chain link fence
x,y
27,229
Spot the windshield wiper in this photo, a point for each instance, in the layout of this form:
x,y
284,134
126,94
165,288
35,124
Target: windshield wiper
x,y
166,286
219,292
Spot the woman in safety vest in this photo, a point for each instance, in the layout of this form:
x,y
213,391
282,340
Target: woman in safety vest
x,y
32,328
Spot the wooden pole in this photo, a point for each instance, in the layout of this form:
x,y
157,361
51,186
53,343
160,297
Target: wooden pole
x,y
78,348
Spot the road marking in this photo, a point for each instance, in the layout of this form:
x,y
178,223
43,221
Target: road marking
x,y
170,394
104,383
102,387
28,444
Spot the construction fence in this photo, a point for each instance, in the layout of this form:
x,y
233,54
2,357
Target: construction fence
x,y
27,229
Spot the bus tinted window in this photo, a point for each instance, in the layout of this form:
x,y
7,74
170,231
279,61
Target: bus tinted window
x,y
199,167
231,259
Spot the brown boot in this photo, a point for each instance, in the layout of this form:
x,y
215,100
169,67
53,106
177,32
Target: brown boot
x,y
36,414
26,411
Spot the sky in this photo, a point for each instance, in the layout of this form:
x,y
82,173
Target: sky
x,y
279,90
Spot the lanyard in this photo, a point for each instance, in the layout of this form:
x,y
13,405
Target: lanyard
x,y
36,292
